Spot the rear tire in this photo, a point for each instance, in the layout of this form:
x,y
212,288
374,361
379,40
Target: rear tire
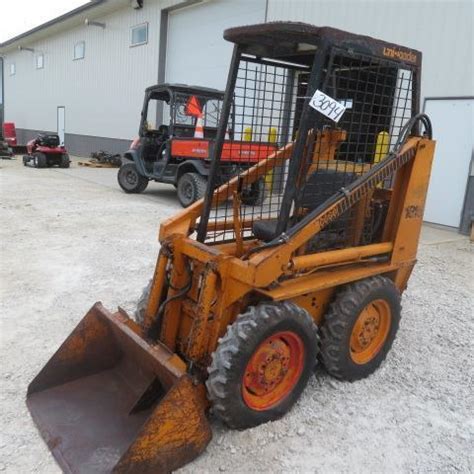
x,y
40,160
130,180
360,327
262,364
191,187
65,162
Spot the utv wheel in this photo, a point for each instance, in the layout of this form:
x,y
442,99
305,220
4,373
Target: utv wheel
x,y
40,160
130,180
191,187
262,364
360,327
64,163
25,160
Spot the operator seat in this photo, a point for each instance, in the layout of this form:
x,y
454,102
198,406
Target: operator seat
x,y
319,187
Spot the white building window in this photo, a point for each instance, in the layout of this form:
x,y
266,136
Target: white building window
x,y
40,61
139,34
79,50
12,69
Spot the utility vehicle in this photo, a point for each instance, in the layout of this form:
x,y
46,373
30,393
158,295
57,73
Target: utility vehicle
x,y
177,151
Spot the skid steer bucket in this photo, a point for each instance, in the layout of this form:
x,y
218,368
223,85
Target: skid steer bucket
x,y
108,401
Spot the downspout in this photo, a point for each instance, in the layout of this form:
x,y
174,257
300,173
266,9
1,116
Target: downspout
x,y
2,95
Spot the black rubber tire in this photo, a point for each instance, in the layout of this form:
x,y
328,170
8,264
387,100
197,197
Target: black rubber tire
x,y
340,319
255,195
130,180
229,361
65,162
141,304
40,160
191,187
25,160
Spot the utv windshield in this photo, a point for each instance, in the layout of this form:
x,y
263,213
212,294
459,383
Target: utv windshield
x,y
188,108
181,110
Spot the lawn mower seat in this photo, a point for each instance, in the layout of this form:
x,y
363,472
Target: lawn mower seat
x,y
319,187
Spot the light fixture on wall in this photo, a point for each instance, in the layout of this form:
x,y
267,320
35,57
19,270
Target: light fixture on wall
x,y
88,22
24,48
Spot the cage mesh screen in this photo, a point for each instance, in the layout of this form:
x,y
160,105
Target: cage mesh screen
x,y
261,122
378,99
268,102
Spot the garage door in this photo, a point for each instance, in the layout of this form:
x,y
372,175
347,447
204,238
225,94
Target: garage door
x,y
197,53
453,125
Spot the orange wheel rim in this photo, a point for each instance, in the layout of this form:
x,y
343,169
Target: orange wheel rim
x,y
273,370
370,331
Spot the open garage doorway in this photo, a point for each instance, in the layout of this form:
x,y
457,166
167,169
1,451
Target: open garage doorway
x,y
453,125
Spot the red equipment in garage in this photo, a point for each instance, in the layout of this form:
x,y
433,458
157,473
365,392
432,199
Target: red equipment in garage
x,y
9,134
45,151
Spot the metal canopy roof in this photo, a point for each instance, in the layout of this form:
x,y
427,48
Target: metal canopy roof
x,y
290,39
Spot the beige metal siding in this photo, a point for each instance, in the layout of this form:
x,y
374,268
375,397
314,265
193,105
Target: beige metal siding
x,y
102,93
441,29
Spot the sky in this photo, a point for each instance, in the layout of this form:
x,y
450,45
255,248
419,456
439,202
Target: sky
x,y
18,16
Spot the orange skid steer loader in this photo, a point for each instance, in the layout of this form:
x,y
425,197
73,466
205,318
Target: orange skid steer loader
x,y
245,299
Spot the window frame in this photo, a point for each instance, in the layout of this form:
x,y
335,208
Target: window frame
x,y
83,50
40,55
134,27
12,68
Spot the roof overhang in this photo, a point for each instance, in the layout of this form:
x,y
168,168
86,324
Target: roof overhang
x,y
76,17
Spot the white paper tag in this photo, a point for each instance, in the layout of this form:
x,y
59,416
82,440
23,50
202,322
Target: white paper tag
x,y
328,106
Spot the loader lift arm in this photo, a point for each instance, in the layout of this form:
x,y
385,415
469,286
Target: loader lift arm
x,y
335,206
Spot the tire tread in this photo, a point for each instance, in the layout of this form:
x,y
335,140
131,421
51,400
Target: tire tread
x,y
339,320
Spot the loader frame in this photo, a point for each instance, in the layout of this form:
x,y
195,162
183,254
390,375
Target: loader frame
x,y
147,378
187,317
277,273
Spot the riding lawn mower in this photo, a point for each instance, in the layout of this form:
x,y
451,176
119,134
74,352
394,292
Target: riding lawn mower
x,y
45,151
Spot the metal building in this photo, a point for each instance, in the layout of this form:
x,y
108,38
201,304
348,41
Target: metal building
x,y
83,74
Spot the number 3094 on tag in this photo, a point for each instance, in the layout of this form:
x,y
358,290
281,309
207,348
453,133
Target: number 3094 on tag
x,y
328,106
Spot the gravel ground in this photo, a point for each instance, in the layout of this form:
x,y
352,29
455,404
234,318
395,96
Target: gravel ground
x,y
71,237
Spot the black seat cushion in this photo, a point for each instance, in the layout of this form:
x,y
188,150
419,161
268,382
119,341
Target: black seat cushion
x,y
265,230
320,186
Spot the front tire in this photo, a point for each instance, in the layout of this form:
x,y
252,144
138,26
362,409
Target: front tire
x,y
40,160
360,327
142,304
191,187
130,180
262,364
